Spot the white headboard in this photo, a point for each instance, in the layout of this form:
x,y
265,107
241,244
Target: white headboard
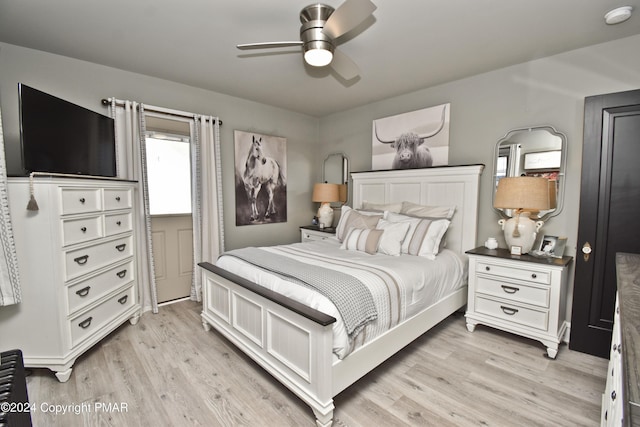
x,y
439,186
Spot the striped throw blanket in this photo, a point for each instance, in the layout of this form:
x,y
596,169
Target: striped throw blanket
x,y
350,296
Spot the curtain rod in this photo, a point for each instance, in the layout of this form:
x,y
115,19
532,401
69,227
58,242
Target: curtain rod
x,y
170,112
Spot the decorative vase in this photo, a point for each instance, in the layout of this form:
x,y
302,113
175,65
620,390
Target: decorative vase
x,y
526,233
325,215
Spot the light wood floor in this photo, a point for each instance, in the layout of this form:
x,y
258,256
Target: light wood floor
x,y
167,371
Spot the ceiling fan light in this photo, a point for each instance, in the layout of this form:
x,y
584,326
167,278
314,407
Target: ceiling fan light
x,y
318,57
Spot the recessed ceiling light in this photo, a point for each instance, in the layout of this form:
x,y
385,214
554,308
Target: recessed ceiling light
x,y
618,15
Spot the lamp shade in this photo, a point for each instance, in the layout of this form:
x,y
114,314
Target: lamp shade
x,y
523,193
326,193
553,194
343,193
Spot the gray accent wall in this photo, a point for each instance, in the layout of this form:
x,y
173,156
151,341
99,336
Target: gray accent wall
x,y
86,83
548,91
484,108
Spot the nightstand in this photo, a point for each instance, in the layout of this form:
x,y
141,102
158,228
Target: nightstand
x,y
313,232
523,294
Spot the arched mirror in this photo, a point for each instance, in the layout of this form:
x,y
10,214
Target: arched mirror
x,y
536,151
335,170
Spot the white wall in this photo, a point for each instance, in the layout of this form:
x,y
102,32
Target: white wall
x,y
86,83
485,107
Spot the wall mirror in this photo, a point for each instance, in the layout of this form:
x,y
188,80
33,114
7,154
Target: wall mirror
x,y
536,151
335,170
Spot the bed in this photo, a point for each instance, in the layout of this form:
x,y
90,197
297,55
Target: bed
x,y
303,345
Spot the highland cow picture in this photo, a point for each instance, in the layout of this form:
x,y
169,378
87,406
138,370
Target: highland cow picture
x,y
418,139
260,178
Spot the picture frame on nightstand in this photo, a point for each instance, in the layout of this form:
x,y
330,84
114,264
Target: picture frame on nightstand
x,y
551,246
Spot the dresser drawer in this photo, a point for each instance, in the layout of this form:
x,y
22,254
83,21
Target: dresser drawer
x,y
531,275
80,200
517,292
85,260
80,230
117,198
84,293
87,323
538,319
117,223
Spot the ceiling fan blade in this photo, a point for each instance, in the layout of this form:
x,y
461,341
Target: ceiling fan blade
x,y
267,45
344,66
347,16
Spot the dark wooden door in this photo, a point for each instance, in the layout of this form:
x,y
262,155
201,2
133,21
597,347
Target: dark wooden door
x,y
609,208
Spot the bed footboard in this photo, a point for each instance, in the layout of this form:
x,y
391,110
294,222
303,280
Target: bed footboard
x,y
289,340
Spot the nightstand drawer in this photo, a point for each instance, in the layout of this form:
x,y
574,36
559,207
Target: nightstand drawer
x,y
534,295
538,319
531,275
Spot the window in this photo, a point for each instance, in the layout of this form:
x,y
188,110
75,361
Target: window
x,y
168,174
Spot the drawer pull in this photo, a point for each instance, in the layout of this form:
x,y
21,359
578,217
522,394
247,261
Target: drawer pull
x,y
123,299
84,291
534,275
510,289
82,260
83,229
620,348
118,223
613,395
85,323
615,347
508,310
82,200
117,198
121,247
122,273
487,268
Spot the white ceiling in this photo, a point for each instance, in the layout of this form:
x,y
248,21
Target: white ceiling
x,y
407,45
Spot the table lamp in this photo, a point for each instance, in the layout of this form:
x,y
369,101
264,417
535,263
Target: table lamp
x,y
523,194
326,194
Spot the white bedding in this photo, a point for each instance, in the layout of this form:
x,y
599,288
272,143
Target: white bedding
x,y
402,286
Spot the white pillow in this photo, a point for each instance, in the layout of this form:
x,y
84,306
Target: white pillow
x,y
350,218
381,207
424,235
423,211
362,239
427,238
394,234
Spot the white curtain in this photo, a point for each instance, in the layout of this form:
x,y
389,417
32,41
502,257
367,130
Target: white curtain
x,y
9,277
208,234
206,200
132,165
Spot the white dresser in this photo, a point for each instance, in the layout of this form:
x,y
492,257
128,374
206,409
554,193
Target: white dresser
x,y
77,263
522,294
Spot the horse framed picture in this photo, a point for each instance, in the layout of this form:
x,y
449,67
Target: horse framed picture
x,y
260,174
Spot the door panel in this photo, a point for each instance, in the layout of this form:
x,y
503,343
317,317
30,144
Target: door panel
x,y
173,255
609,201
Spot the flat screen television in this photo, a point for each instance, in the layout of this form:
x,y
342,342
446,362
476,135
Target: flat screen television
x,y
58,136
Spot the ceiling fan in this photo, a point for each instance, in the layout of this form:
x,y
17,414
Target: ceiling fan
x,y
321,26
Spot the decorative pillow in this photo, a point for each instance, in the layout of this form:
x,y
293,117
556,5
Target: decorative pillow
x,y
362,239
427,237
394,234
381,207
424,235
423,211
351,218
